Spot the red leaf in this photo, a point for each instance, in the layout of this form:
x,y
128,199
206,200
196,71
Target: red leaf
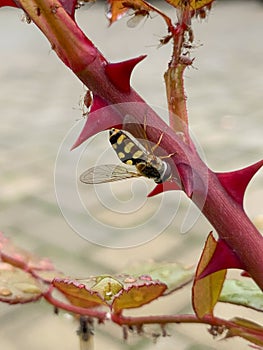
x,y
222,258
236,182
120,73
101,117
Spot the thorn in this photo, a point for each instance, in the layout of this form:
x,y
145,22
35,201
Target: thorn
x,y
120,73
236,182
101,117
223,258
166,186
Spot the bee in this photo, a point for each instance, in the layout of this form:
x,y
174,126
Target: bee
x,y
139,161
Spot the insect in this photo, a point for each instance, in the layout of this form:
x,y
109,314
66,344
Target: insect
x,y
138,160
137,17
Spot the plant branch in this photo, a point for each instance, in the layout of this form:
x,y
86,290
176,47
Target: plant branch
x,y
199,183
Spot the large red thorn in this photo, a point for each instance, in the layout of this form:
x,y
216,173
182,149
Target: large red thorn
x,y
101,117
236,182
120,73
223,258
8,3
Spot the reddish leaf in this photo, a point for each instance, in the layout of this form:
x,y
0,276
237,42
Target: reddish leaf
x,y
138,295
120,73
17,286
78,293
21,258
118,292
236,182
206,291
101,117
222,258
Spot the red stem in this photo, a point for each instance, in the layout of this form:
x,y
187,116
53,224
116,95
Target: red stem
x,y
227,217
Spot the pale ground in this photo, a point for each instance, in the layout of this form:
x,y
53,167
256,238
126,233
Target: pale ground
x,y
39,104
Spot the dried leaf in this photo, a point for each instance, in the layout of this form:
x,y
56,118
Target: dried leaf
x,y
243,292
118,8
192,5
17,286
206,291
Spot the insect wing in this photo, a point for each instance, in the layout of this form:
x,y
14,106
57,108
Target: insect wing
x,y
137,132
135,20
107,173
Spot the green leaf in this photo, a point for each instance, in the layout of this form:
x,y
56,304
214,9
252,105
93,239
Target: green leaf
x,y
18,286
206,291
174,275
243,292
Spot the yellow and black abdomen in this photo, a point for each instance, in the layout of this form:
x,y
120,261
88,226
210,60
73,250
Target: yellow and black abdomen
x,y
126,149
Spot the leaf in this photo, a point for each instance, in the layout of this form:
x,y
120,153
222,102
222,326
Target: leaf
x,y
21,258
138,295
174,275
118,8
243,292
78,293
206,291
17,286
191,4
246,329
119,292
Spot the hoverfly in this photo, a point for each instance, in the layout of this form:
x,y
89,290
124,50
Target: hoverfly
x,y
139,161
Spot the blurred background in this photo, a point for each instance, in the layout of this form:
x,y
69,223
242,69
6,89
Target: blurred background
x,y
40,104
